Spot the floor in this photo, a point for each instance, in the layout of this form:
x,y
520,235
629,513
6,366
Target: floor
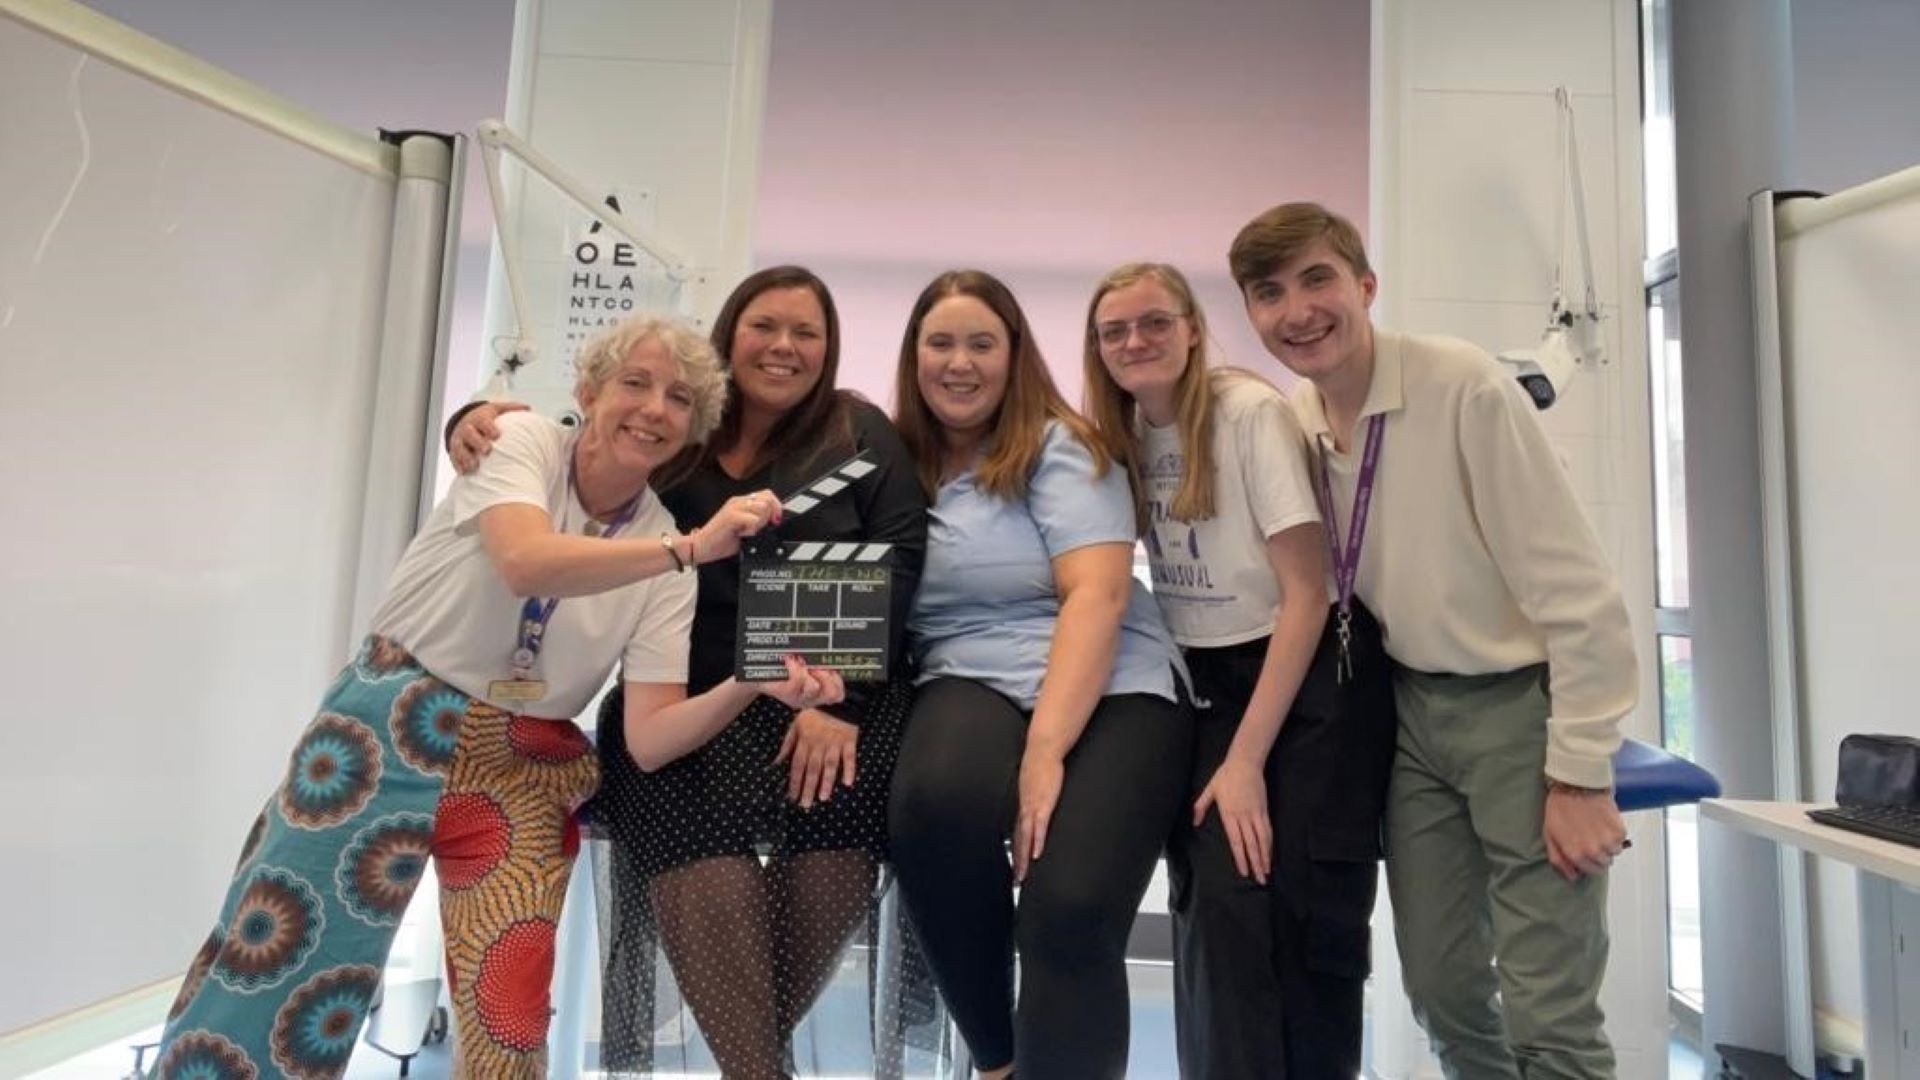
x,y
1151,1054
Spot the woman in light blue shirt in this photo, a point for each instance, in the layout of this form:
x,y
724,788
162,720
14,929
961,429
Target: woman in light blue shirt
x,y
1049,706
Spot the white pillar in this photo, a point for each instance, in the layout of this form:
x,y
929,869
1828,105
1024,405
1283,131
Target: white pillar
x,y
1464,179
659,103
1733,135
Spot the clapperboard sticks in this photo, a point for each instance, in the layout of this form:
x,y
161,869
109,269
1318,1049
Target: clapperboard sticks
x,y
836,480
829,602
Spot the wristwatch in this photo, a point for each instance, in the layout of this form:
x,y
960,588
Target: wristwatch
x,y
1565,788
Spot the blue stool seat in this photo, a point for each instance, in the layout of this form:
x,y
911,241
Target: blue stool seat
x,y
1646,777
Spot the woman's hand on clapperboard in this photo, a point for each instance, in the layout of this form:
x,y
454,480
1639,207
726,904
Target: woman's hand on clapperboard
x,y
738,517
819,750
806,687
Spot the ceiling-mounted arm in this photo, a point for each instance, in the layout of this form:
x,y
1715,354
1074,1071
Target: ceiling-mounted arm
x,y
1572,338
494,137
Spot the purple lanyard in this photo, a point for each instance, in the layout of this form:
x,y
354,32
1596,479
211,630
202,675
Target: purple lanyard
x,y
537,612
1346,560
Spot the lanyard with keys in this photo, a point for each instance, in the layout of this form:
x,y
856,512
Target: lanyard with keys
x,y
1346,559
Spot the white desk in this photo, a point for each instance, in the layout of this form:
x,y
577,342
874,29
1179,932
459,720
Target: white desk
x,y
1889,917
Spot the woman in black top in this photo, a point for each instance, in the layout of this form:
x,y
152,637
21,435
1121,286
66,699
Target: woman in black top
x,y
752,944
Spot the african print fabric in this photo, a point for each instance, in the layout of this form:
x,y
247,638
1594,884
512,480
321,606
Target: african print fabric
x,y
504,847
395,767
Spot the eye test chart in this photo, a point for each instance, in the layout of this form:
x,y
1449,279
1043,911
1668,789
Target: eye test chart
x,y
828,603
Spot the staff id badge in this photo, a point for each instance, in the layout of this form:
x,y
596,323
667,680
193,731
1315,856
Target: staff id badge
x,y
516,691
828,603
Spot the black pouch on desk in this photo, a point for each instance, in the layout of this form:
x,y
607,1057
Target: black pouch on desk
x,y
1879,770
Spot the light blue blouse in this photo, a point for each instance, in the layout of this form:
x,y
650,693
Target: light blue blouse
x,y
987,604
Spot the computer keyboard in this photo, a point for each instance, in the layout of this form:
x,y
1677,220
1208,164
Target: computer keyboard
x,y
1901,824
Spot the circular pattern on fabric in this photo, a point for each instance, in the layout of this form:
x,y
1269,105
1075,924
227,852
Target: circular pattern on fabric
x,y
381,865
197,972
425,723
276,926
552,741
205,1055
334,771
314,1032
511,989
471,836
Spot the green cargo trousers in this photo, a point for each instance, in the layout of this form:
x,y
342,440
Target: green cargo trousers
x,y
1502,956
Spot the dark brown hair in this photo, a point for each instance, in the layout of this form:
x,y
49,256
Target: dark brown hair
x,y
821,421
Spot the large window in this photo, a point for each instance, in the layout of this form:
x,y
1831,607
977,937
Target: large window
x,y
1672,618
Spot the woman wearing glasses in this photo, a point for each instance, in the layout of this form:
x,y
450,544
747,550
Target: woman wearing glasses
x,y
1273,869
1048,700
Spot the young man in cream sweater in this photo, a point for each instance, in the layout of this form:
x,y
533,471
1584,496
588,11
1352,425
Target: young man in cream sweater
x,y
1513,656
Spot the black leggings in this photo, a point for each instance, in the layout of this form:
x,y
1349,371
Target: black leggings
x,y
955,795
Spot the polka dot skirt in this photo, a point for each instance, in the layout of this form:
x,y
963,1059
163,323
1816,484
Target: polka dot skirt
x,y
728,797
727,911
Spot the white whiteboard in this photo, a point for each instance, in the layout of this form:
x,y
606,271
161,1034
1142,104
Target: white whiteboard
x,y
1849,292
190,313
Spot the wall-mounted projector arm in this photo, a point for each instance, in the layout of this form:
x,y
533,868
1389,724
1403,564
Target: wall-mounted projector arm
x,y
495,137
1572,338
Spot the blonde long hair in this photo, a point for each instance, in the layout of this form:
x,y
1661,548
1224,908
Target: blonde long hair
x,y
1114,412
1019,424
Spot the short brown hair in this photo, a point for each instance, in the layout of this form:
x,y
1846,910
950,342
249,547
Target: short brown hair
x,y
1278,236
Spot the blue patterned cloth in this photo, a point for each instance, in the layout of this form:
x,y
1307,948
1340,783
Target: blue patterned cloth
x,y
283,983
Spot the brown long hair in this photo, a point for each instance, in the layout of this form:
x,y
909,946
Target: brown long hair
x,y
1113,410
821,421
1019,424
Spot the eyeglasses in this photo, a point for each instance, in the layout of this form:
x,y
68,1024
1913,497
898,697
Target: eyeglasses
x,y
1154,326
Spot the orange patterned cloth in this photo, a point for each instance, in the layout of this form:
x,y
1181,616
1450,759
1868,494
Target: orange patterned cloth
x,y
504,841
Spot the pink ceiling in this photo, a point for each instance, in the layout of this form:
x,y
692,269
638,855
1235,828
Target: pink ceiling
x,y
1054,133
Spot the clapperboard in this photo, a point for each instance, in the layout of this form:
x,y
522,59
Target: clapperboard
x,y
828,603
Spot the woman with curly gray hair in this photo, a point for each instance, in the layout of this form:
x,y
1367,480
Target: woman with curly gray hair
x,y
452,733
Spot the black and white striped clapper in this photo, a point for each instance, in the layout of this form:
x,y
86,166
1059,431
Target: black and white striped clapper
x,y
837,480
826,601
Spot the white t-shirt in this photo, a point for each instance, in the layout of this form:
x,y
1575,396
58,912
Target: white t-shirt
x,y
450,608
1212,577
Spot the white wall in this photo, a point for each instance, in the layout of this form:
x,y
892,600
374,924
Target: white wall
x,y
1046,143
147,223
658,102
435,65
1855,82
1465,176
